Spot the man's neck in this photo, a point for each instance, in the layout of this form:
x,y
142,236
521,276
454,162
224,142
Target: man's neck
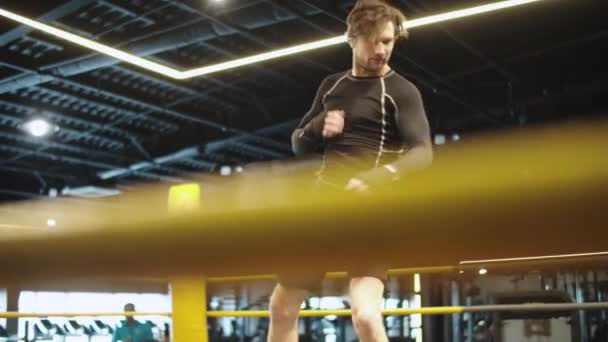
x,y
359,72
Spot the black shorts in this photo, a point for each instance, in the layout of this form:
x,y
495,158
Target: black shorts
x,y
311,280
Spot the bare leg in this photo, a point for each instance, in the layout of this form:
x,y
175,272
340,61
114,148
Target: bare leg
x,y
366,295
285,305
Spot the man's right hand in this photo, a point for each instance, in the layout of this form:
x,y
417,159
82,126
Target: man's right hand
x,y
334,123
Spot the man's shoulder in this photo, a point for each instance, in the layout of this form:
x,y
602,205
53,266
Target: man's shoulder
x,y
400,85
332,78
400,80
143,325
121,329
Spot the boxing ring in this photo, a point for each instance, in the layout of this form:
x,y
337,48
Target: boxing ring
x,y
538,193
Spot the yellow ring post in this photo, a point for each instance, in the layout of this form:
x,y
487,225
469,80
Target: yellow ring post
x,y
189,301
188,294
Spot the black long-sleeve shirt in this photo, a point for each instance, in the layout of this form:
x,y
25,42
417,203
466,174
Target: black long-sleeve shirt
x,y
384,117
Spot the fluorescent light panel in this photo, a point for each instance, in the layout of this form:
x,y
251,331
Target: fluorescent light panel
x,y
177,74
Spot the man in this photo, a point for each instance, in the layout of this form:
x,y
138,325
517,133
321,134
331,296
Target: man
x,y
132,330
370,125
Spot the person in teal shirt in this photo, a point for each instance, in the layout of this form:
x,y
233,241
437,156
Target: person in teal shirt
x,y
132,330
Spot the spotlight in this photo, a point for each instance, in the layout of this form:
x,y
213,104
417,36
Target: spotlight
x,y
39,127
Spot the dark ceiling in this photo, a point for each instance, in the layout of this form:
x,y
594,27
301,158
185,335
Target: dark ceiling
x,y
536,64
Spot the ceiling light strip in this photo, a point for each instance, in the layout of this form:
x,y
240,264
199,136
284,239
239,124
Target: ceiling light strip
x,y
466,12
176,74
90,44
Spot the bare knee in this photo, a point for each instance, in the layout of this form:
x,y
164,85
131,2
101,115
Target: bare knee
x,y
285,305
367,322
366,294
281,314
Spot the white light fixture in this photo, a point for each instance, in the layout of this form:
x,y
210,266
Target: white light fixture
x,y
39,127
455,137
439,139
483,271
225,170
53,192
90,192
177,74
51,223
417,283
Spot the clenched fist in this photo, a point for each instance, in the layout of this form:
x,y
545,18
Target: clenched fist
x,y
334,123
